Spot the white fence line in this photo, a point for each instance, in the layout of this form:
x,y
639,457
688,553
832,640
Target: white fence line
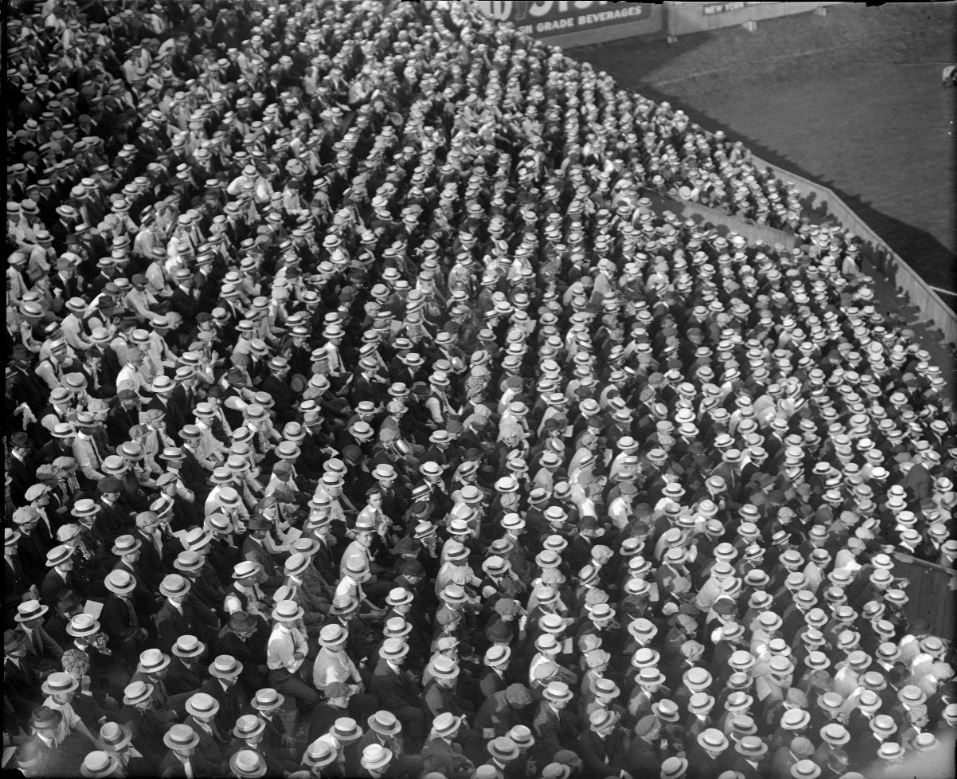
x,y
885,259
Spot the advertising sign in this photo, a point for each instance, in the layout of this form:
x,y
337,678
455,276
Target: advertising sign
x,y
576,22
684,18
709,9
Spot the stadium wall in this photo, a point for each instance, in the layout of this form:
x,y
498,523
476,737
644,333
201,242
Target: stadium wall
x,y
685,18
723,221
885,259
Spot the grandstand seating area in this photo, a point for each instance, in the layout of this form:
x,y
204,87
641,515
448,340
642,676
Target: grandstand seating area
x,y
323,252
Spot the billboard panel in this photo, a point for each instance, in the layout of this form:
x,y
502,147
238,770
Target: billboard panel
x,y
576,22
684,18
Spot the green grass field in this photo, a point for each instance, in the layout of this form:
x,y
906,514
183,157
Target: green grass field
x,y
852,100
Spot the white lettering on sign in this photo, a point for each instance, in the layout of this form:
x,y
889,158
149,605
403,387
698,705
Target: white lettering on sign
x,y
555,24
719,8
545,7
608,16
495,9
559,14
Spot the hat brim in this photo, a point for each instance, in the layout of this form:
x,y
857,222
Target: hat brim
x,y
21,618
48,690
379,728
213,671
193,743
177,652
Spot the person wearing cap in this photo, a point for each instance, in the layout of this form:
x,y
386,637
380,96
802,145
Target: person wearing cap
x,y
554,725
711,754
72,733
152,667
154,441
502,711
40,753
336,703
60,563
135,374
225,673
60,446
247,742
333,663
496,676
26,554
20,676
155,272
183,674
117,739
140,301
181,613
603,747
376,761
396,689
200,444
277,735
71,326
122,416
254,550
441,753
180,760
244,638
286,653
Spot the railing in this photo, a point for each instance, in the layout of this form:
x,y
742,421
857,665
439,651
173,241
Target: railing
x,y
876,250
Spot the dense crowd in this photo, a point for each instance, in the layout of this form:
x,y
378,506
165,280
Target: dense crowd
x,y
368,420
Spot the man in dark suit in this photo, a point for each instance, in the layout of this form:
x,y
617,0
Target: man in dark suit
x,y
42,652
208,755
150,559
21,681
441,753
554,726
42,747
179,615
603,748
276,383
16,579
127,548
180,761
67,606
59,560
183,675
145,724
183,464
183,301
174,416
26,387
123,415
244,638
502,711
120,620
103,364
20,467
31,547
396,690
643,753
253,549
114,516
225,671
